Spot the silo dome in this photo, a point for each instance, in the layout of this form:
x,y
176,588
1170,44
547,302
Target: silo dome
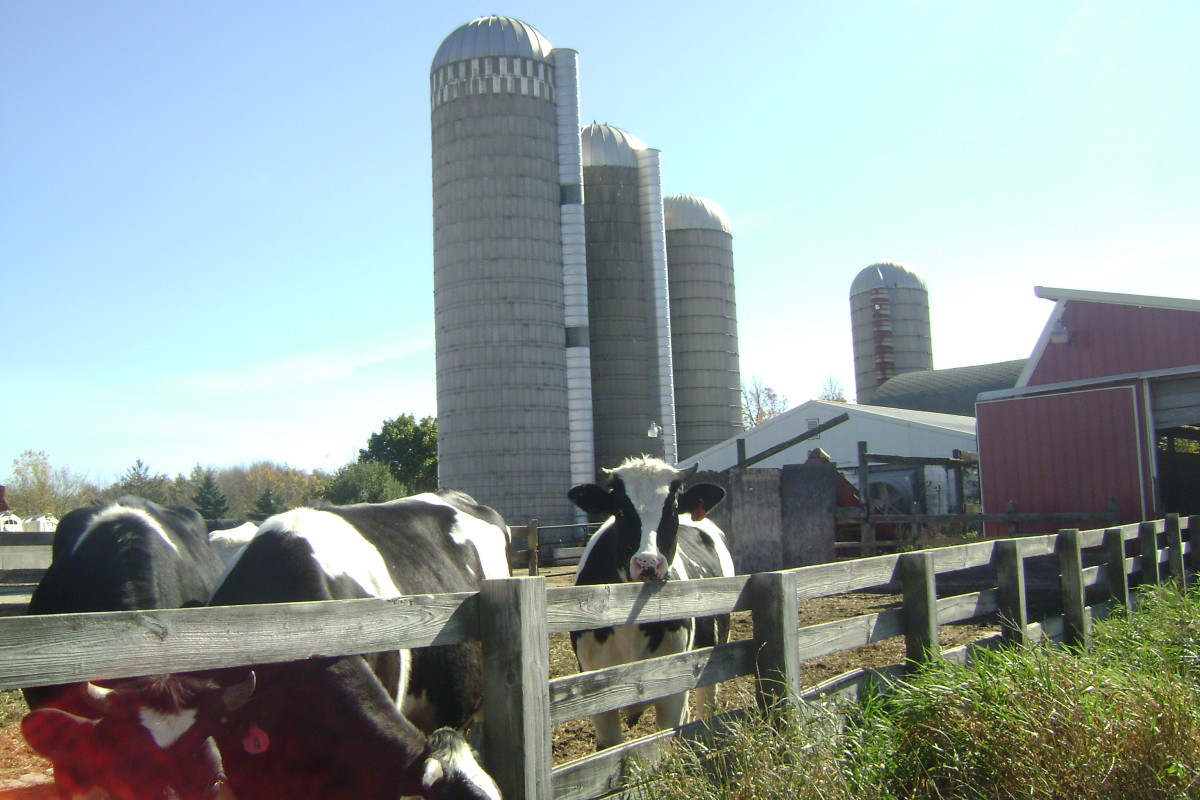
x,y
492,36
886,275
606,146
688,212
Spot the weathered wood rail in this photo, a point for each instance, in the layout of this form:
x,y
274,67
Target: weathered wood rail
x,y
513,618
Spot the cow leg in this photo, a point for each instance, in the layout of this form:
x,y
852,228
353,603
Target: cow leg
x,y
671,711
706,700
608,729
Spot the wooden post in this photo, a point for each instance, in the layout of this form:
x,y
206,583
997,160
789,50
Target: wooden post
x,y
1010,576
1194,541
919,588
1118,575
1148,539
776,622
1070,565
535,553
516,695
1175,552
741,451
866,529
1011,508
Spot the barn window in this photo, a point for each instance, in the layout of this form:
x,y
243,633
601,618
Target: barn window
x,y
814,423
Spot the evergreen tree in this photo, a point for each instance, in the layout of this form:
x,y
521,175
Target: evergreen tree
x,y
267,504
139,482
209,499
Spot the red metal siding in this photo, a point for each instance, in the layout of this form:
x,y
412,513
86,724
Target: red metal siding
x,y
1066,452
1110,339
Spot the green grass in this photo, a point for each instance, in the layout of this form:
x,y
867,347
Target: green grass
x,y
1120,722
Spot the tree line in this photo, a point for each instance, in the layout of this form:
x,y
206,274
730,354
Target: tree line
x,y
399,459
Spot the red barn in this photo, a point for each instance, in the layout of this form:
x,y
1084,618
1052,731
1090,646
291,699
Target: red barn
x,y
1105,415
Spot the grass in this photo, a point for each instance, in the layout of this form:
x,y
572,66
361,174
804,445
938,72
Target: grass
x,y
1121,721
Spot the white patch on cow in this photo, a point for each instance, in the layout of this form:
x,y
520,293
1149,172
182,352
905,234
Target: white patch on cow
x,y
490,542
228,543
166,728
338,548
718,537
114,513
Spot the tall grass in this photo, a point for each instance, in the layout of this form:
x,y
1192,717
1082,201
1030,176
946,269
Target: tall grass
x,y
1121,721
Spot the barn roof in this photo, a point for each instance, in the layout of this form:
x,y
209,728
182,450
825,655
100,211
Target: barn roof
x,y
896,431
947,391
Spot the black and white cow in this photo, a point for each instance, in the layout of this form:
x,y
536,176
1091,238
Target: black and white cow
x,y
132,554
384,725
656,530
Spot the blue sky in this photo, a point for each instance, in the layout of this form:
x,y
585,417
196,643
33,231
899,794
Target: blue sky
x,y
215,218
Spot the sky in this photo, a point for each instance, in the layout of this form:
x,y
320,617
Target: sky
x,y
216,224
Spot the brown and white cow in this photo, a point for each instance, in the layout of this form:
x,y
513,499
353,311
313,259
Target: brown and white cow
x,y
656,530
386,725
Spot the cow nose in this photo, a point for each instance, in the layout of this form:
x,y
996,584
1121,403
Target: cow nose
x,y
648,567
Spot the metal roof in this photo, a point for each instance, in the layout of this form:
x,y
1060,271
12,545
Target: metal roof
x,y
1144,301
947,391
492,36
609,146
688,212
886,275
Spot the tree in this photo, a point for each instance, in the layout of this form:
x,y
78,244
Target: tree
x,y
832,391
37,488
409,449
760,403
209,499
370,482
138,481
268,504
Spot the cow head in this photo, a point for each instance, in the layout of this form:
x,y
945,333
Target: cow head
x,y
644,499
144,744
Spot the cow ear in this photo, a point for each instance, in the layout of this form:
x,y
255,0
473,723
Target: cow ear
x,y
592,499
698,500
50,731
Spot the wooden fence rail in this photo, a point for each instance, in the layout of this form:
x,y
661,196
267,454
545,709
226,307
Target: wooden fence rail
x,y
514,618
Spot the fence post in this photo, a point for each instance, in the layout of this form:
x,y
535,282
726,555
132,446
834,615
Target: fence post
x,y
1118,569
1193,526
516,680
531,540
1010,577
776,648
919,588
1070,566
866,530
1175,552
1148,539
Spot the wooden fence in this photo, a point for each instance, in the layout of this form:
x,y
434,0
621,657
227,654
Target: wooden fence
x,y
514,618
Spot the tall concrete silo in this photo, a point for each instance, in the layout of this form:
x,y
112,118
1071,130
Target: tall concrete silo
x,y
509,269
889,316
628,308
704,339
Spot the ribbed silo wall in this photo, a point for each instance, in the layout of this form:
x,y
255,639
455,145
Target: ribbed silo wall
x,y
704,339
625,385
891,336
498,288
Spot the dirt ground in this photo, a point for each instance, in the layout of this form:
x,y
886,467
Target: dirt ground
x,y
24,775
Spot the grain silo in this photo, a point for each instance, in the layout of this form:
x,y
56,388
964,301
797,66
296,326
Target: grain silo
x,y
509,288
704,340
628,309
889,315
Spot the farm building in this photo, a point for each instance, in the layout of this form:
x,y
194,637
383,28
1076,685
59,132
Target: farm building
x,y
1105,414
891,431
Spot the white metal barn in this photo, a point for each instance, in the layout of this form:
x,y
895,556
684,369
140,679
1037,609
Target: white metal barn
x,y
889,431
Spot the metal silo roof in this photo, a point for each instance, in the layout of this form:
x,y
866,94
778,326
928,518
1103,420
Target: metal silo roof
x,y
688,212
886,275
607,146
492,36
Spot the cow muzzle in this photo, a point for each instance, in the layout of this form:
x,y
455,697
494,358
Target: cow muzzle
x,y
647,567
